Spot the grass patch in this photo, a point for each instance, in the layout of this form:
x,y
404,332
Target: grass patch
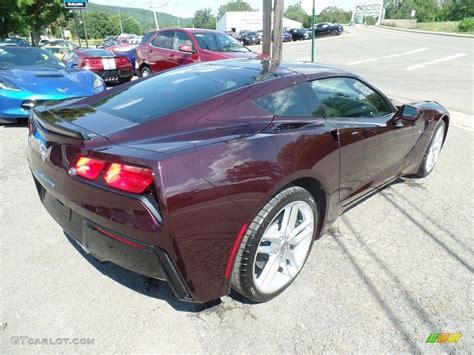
x,y
448,26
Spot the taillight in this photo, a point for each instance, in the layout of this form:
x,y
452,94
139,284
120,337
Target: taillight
x,y
124,177
92,63
122,61
88,168
128,178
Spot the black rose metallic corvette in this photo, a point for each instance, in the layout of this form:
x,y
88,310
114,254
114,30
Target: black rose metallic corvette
x,y
222,174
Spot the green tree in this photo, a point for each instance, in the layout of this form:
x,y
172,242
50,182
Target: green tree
x,y
234,5
204,19
296,13
334,14
99,25
130,25
426,10
456,11
39,14
10,21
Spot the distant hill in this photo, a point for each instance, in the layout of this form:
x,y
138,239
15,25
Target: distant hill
x,y
144,17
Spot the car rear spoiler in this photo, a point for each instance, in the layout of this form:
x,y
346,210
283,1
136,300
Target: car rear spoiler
x,y
58,130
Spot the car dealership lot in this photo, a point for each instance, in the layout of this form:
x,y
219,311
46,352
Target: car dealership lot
x,y
390,271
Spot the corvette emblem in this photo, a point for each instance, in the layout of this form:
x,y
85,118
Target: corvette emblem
x,y
44,152
63,90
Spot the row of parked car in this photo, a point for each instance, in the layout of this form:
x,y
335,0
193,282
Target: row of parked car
x,y
60,70
289,34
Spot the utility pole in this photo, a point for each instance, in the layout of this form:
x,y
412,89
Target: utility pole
x,y
267,28
77,27
313,32
85,30
120,20
154,12
277,30
156,20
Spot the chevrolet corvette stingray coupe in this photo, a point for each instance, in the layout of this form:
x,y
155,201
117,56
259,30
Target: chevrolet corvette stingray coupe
x,y
220,175
29,76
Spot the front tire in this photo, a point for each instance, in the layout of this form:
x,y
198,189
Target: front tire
x,y
276,245
431,156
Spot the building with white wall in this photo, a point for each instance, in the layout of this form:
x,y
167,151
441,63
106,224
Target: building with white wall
x,y
248,20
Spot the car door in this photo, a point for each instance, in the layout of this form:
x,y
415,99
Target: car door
x,y
184,57
325,28
161,54
303,137
373,146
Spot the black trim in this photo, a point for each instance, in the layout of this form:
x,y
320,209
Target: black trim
x,y
173,277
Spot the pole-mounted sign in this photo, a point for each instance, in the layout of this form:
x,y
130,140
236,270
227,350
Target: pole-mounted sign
x,y
78,4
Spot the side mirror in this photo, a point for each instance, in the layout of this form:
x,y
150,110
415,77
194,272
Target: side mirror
x,y
408,112
186,48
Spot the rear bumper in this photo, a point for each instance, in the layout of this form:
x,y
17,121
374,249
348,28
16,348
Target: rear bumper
x,y
115,75
107,245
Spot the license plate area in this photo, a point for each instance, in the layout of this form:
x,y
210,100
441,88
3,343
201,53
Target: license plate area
x,y
110,75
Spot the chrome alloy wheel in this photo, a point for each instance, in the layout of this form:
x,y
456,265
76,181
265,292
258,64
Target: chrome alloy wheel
x,y
284,246
434,149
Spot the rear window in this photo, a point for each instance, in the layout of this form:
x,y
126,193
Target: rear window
x,y
177,89
97,52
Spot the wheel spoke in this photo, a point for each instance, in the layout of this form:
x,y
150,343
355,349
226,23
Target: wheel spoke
x,y
290,255
297,239
268,249
285,219
284,266
269,271
292,220
300,228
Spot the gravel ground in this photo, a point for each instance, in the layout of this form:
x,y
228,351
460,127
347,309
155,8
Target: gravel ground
x,y
389,272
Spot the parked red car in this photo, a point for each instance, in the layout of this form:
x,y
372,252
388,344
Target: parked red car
x,y
112,67
166,49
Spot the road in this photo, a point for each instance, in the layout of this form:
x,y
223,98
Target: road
x,y
405,65
389,272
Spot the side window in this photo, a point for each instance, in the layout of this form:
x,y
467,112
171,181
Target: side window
x,y
182,39
289,102
163,40
206,40
348,97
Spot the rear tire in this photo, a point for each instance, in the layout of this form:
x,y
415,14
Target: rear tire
x,y
145,72
431,156
276,245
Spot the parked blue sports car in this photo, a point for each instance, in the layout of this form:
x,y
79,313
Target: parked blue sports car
x,y
29,76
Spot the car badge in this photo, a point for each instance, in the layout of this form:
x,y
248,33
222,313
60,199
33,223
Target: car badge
x,y
62,90
44,152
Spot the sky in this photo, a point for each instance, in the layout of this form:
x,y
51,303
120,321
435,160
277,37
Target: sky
x,y
187,8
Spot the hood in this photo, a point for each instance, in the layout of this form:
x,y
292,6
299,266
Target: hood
x,y
49,80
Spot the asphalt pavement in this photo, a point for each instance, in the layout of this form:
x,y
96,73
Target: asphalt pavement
x,y
390,271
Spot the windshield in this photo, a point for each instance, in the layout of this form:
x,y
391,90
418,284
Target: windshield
x,y
18,56
218,42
